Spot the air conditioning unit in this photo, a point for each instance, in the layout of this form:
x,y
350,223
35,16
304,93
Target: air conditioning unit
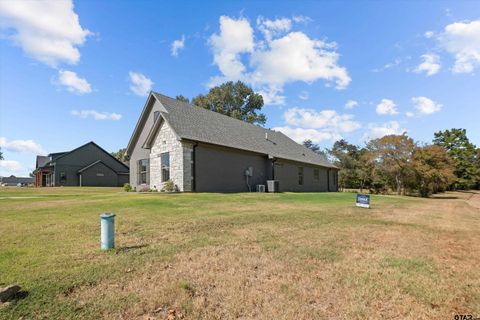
x,y
260,188
273,185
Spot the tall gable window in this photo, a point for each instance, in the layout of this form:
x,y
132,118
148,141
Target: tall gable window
x,y
300,176
142,177
165,162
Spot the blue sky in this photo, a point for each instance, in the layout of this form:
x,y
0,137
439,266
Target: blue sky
x,y
72,73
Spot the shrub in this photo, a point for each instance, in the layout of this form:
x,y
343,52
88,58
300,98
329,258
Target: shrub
x,y
127,187
168,186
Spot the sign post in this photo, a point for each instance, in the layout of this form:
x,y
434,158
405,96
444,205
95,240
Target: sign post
x,y
363,200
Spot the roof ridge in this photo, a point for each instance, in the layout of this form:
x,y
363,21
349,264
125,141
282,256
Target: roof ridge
x,y
220,129
217,113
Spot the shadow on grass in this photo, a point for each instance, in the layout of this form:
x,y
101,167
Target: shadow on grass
x,y
130,248
445,198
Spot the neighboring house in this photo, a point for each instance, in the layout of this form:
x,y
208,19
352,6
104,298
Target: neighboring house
x,y
16,181
87,165
204,151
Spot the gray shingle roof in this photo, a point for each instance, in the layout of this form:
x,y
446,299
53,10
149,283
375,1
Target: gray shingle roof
x,y
42,161
194,123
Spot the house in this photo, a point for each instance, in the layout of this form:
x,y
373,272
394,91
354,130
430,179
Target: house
x,y
201,150
16,181
87,165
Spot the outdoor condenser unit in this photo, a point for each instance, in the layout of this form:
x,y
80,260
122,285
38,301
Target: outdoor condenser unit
x,y
260,188
273,185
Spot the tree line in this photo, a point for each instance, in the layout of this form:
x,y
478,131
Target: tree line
x,y
396,163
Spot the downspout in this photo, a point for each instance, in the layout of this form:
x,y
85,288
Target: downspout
x,y
194,173
273,168
328,180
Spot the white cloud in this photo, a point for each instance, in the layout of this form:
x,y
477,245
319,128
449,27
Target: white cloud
x,y
462,40
387,107
303,95
300,134
410,114
236,37
301,124
425,105
275,61
430,64
325,119
10,167
271,28
379,130
23,146
48,31
97,115
301,19
177,45
429,34
73,82
296,57
272,95
140,84
389,65
351,104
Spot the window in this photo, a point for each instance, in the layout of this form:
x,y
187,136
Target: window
x,y
165,162
300,176
156,114
143,171
63,177
100,174
316,174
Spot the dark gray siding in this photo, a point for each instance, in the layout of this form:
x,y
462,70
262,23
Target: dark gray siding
x,y
333,180
223,170
287,173
82,157
99,175
219,169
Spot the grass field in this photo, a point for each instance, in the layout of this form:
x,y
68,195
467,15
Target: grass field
x,y
247,256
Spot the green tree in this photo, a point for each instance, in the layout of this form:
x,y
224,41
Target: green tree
x,y
182,98
312,146
120,154
1,154
346,157
235,100
393,155
433,170
464,155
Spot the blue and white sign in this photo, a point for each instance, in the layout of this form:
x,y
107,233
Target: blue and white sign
x,y
363,200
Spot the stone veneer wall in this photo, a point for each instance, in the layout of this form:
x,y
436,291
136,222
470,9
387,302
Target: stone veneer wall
x,y
166,141
187,166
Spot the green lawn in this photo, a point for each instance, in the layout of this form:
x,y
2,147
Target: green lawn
x,y
256,256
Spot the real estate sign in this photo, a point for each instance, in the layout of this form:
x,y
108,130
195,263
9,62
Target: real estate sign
x,y
363,200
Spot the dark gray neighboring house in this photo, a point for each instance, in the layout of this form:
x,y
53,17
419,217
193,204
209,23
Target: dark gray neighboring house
x,y
16,181
204,151
87,165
